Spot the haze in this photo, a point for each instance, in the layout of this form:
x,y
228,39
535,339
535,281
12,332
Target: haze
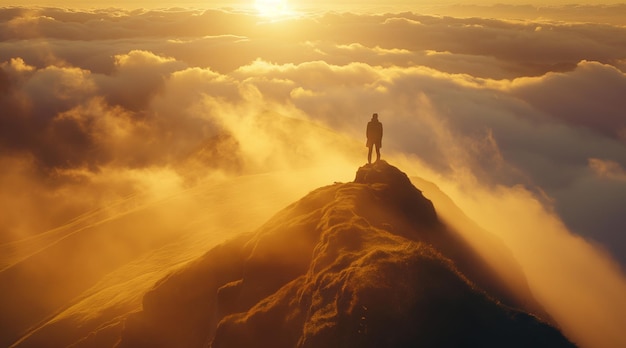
x,y
163,128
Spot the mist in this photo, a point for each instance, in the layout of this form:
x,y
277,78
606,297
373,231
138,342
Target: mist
x,y
131,144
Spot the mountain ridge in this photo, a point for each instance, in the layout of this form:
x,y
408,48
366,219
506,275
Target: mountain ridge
x,y
360,264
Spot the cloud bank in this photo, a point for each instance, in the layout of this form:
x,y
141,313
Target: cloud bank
x,y
97,105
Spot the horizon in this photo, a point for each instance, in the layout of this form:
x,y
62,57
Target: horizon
x,y
427,7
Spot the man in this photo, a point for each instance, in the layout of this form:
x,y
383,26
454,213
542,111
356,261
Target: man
x,y
374,135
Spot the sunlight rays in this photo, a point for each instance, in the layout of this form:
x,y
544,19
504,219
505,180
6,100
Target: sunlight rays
x,y
272,8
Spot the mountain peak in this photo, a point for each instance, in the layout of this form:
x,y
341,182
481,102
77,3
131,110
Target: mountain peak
x,y
398,196
360,264
381,172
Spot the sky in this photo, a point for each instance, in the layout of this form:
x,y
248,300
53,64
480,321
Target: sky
x,y
345,5
513,110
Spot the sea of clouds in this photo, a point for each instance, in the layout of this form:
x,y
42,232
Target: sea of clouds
x,y
99,104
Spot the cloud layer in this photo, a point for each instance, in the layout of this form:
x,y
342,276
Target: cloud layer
x,y
537,103
96,105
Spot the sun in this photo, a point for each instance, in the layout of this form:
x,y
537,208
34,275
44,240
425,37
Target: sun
x,y
271,8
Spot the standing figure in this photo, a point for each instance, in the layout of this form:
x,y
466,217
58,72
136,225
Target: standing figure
x,y
374,135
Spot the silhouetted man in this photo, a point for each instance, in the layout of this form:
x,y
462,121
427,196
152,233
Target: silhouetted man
x,y
374,135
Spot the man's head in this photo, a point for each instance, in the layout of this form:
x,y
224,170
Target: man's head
x,y
375,116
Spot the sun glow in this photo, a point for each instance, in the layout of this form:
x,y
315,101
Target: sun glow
x,y
271,8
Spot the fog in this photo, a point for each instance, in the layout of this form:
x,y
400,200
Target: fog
x,y
151,135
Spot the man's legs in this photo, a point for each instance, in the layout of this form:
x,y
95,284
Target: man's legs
x,y
377,152
369,153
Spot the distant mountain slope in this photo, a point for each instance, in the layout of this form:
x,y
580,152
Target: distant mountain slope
x,y
361,264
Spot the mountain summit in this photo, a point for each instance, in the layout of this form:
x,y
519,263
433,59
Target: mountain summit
x,y
360,264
